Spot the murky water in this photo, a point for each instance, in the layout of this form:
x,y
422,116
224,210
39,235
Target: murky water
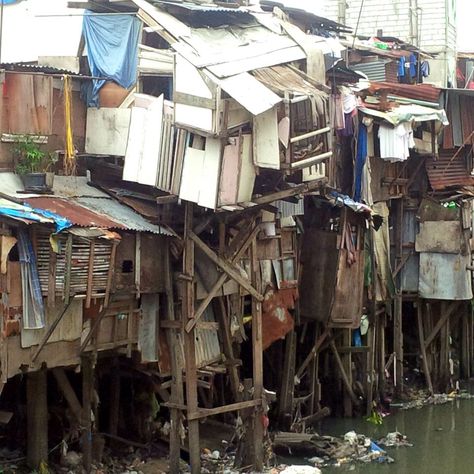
x,y
442,437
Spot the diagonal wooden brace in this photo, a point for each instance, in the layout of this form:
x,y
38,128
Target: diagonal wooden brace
x,y
222,279
226,266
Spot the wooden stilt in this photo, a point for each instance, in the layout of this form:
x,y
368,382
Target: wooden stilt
x,y
177,396
343,374
189,343
87,387
286,397
421,335
257,352
346,359
114,400
398,344
37,419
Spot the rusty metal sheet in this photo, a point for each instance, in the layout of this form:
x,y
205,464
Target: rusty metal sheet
x,y
444,276
446,172
425,92
77,214
276,319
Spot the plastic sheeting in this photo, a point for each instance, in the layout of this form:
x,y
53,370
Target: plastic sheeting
x,y
36,215
112,50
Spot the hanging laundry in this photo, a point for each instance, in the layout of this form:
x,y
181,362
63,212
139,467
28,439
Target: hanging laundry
x,y
401,67
395,142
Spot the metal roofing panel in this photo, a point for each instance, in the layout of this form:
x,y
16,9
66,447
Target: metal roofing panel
x,y
426,92
123,216
77,214
374,70
447,173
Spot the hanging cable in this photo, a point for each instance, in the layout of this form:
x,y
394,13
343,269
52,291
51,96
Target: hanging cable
x,y
358,20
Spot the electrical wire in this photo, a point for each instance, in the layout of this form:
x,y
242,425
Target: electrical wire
x,y
358,20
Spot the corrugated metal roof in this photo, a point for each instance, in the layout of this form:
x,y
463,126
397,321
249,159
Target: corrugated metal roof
x,y
198,7
125,217
77,214
426,92
31,67
374,70
445,174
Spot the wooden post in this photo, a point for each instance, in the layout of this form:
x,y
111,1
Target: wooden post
x,y
347,363
398,301
257,360
114,397
189,343
37,418
87,387
421,334
177,396
288,383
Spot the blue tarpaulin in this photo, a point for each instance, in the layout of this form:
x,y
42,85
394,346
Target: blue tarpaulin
x,y
112,50
37,215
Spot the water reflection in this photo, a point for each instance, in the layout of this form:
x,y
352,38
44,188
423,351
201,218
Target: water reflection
x,y
443,439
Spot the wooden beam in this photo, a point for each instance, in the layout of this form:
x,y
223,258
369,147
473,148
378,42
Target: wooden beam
x,y
221,280
344,376
93,329
257,353
294,191
441,322
190,342
312,353
68,392
87,387
226,267
205,412
421,336
90,274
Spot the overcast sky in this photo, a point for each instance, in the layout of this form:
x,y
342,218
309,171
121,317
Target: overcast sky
x,y
60,35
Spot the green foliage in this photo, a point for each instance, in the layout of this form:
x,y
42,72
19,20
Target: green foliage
x,y
29,157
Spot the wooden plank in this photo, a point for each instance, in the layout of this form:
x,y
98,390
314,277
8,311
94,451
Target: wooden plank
x,y
110,274
312,353
257,352
68,392
343,374
205,412
227,267
189,343
222,279
266,150
50,331
441,322
285,407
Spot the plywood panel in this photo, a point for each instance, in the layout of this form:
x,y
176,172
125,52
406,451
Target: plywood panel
x,y
229,181
107,131
266,152
247,171
68,329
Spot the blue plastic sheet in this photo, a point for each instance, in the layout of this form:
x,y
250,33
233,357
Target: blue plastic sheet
x,y
360,161
36,215
112,50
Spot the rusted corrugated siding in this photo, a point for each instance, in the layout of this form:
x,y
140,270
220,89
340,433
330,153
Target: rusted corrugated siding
x,y
444,173
78,215
425,92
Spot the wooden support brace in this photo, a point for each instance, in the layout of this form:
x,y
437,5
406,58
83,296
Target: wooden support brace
x,y
441,322
312,353
344,376
226,267
222,279
68,392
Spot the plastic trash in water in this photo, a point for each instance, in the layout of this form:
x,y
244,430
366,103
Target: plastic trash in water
x,y
375,447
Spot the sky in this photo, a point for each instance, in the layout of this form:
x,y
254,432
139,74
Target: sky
x,y
27,33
